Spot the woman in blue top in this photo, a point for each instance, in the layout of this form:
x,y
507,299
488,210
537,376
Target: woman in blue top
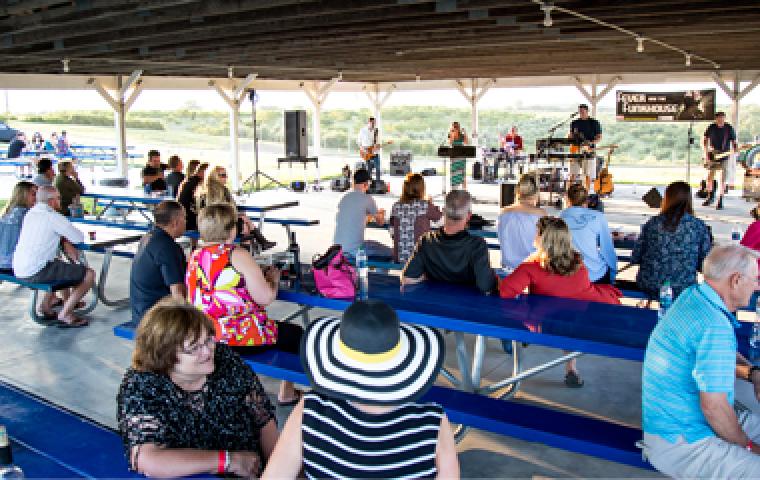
x,y
517,224
672,245
591,236
23,198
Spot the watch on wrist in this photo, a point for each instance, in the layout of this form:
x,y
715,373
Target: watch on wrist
x,y
752,369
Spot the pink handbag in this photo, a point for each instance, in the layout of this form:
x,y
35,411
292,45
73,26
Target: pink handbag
x,y
334,275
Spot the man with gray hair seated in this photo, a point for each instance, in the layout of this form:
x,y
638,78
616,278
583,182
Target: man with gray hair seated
x,y
450,253
35,260
692,428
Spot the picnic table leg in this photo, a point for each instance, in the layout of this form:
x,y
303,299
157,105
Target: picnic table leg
x,y
101,283
135,207
39,319
95,207
517,377
94,301
463,359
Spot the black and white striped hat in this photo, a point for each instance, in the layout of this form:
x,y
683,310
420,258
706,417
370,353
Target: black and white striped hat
x,y
367,356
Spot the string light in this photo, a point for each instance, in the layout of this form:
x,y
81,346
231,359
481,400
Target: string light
x,y
547,8
639,44
230,72
688,60
65,62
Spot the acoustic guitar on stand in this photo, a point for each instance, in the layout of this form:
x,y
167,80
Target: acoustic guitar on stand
x,y
603,184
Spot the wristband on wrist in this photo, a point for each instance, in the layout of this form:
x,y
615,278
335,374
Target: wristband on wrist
x,y
749,445
222,460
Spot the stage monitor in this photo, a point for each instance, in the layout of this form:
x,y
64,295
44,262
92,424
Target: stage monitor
x,y
681,106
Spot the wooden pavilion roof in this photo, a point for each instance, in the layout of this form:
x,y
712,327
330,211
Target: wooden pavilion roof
x,y
372,40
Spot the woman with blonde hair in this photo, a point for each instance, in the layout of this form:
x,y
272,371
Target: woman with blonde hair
x,y
225,282
411,217
557,270
517,223
216,192
23,197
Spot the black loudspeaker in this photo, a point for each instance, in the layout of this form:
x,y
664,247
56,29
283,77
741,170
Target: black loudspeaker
x,y
378,187
298,186
477,171
401,163
296,139
508,193
653,198
428,172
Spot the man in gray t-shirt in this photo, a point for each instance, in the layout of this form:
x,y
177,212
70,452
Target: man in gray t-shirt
x,y
351,218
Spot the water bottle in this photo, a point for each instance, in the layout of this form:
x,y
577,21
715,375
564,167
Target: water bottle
x,y
666,299
736,235
295,253
7,469
363,268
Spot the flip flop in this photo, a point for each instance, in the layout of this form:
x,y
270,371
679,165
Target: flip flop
x,y
296,398
57,304
75,323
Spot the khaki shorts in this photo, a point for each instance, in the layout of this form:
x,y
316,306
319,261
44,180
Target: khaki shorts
x,y
710,457
586,166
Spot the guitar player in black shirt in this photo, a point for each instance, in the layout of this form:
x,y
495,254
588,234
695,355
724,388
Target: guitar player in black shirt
x,y
719,144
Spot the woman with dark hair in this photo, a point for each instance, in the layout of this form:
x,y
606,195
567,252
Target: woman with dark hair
x,y
672,245
411,217
187,196
556,270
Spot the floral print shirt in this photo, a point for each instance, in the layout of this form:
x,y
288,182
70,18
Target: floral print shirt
x,y
219,291
670,255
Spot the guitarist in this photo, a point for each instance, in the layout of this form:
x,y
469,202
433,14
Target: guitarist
x,y
368,147
719,143
585,130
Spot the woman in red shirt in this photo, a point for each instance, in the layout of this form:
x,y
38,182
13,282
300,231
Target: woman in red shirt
x,y
557,270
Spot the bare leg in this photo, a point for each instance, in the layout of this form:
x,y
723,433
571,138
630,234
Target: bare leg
x,y
46,305
77,293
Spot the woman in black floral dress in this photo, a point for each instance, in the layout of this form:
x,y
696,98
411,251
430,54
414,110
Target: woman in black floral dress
x,y
189,406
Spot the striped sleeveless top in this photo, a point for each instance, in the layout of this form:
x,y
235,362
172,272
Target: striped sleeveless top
x,y
341,441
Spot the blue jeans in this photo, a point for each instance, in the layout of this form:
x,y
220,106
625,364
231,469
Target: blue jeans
x,y
374,164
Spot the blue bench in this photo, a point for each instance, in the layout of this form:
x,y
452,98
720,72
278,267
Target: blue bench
x,y
567,431
52,442
7,276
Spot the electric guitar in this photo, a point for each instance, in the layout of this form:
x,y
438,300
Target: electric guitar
x,y
368,152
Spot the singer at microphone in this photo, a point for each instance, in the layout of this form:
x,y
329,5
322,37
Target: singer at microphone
x,y
587,130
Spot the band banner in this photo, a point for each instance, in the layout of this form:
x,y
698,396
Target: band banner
x,y
682,106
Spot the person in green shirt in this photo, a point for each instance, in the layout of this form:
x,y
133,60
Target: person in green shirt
x,y
68,184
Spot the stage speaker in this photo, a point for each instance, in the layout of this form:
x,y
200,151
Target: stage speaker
x,y
298,185
653,198
428,172
378,187
296,139
508,193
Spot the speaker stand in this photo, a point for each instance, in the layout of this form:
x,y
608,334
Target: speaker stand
x,y
257,173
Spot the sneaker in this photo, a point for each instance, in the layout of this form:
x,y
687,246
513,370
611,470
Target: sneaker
x,y
573,380
719,206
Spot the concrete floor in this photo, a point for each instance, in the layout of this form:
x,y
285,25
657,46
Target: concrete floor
x,y
81,368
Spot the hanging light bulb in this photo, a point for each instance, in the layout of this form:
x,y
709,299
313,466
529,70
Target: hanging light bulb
x,y
230,72
65,62
547,8
639,44
688,60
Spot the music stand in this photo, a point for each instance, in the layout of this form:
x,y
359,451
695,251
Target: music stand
x,y
257,173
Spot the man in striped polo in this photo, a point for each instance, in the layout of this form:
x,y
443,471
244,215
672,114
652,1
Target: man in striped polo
x,y
692,428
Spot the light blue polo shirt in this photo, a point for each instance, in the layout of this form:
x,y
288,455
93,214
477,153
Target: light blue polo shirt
x,y
691,350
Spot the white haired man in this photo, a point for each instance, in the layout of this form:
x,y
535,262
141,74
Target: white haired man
x,y
450,253
692,429
35,260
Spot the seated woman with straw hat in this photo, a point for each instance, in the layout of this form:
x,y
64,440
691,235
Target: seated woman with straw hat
x,y
362,419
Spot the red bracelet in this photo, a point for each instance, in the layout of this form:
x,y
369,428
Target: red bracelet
x,y
221,463
749,445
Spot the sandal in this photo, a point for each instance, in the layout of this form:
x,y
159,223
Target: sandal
x,y
572,380
75,322
297,394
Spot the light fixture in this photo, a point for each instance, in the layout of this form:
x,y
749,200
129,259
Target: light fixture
x,y
417,77
688,60
340,75
65,62
639,44
230,72
399,53
547,8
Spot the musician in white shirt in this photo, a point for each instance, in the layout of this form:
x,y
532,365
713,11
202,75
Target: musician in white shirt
x,y
368,140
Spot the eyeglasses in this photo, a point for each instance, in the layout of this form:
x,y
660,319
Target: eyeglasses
x,y
209,343
222,175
